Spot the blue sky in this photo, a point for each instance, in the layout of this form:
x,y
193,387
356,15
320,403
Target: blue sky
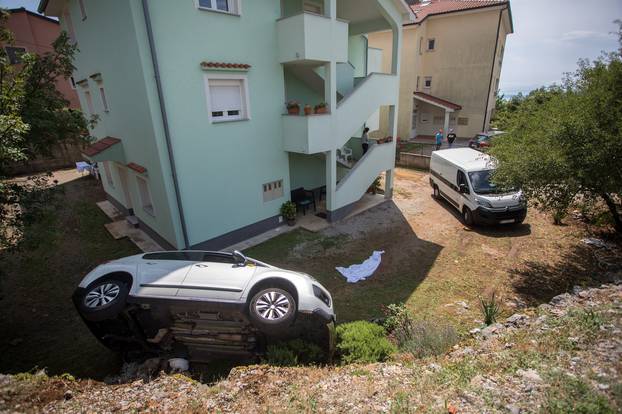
x,y
550,36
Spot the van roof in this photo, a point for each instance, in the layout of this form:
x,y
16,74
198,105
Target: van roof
x,y
466,158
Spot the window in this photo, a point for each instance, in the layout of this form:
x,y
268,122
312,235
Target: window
x,y
420,45
89,102
463,180
312,7
226,6
227,98
104,101
501,55
463,121
82,9
145,196
272,191
427,82
439,119
72,82
425,118
108,172
431,44
417,88
15,54
497,87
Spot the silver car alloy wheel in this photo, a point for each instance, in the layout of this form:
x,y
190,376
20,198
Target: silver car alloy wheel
x,y
102,295
272,305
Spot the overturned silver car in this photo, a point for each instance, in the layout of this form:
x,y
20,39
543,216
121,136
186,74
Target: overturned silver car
x,y
200,305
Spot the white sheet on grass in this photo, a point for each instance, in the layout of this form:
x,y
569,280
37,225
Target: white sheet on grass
x,y
358,272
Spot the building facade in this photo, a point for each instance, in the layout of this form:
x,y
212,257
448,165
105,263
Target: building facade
x,y
451,56
34,33
195,140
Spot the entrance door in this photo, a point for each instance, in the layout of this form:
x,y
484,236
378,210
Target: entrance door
x,y
413,132
126,189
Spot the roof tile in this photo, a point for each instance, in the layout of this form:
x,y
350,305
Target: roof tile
x,y
439,101
99,146
425,9
138,168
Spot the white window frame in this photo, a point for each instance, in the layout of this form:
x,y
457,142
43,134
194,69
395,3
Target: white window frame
x,y
431,39
102,95
425,82
245,113
72,83
89,101
82,9
108,172
234,7
147,205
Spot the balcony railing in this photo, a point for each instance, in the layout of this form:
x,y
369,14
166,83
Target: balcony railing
x,y
311,37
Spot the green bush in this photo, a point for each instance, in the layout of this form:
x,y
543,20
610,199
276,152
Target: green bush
x,y
294,352
363,341
421,338
571,395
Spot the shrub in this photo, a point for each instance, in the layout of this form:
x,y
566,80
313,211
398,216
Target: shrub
x,y
363,341
571,395
490,309
288,210
421,338
294,352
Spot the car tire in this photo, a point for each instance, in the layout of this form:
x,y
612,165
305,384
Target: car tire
x,y
467,216
436,192
103,299
272,309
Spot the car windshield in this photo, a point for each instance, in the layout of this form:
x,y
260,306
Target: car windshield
x,y
480,181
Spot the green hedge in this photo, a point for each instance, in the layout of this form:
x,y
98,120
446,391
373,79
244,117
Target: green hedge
x,y
363,341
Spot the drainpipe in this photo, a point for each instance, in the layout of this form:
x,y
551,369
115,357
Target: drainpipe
x,y
492,70
167,132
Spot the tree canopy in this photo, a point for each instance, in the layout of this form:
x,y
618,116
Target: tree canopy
x,y
565,141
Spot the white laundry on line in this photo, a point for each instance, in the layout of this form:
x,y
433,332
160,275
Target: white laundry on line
x,y
358,272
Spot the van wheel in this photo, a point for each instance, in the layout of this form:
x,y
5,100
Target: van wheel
x,y
437,192
467,216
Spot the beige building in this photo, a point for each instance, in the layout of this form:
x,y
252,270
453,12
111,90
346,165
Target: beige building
x,y
450,65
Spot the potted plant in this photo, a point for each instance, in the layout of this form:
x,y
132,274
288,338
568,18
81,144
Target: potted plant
x,y
288,211
308,109
375,186
293,107
388,139
321,108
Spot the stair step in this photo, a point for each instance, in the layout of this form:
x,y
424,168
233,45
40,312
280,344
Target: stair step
x,y
132,220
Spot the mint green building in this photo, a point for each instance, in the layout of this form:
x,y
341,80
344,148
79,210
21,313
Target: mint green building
x,y
194,138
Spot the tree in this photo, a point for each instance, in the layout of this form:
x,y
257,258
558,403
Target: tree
x,y
566,141
34,118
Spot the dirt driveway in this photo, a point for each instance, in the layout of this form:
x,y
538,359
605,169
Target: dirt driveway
x,y
432,262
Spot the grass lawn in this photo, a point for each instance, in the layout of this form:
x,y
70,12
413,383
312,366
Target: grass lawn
x,y
39,326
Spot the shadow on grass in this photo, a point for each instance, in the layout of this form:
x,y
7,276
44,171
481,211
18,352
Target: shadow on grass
x,y
39,327
538,282
499,231
405,264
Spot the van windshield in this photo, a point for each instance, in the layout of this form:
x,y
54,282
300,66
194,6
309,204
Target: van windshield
x,y
480,181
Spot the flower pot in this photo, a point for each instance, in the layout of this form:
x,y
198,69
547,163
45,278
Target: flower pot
x,y
321,110
291,222
308,110
293,110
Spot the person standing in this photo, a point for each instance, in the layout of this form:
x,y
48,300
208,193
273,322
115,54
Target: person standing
x,y
439,139
365,140
451,137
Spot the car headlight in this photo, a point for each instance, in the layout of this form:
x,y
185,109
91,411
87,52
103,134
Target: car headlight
x,y
483,203
321,295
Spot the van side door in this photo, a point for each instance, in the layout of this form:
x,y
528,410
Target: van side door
x,y
461,179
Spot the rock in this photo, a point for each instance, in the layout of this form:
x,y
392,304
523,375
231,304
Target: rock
x,y
68,395
508,345
577,289
512,409
463,304
517,319
492,330
530,375
559,299
434,367
475,331
603,387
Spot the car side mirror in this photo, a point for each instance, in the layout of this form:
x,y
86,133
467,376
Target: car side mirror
x,y
239,258
464,189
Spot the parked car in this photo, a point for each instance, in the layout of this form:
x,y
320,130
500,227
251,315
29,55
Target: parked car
x,y
195,304
462,177
484,139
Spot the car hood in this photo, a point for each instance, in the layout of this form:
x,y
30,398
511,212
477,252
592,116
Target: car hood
x,y
502,200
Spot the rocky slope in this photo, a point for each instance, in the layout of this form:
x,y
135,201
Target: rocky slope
x,y
560,357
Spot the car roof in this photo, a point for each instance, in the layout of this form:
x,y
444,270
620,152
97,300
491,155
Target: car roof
x,y
466,158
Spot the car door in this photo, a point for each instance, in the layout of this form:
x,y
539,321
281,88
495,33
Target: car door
x,y
463,197
217,277
161,274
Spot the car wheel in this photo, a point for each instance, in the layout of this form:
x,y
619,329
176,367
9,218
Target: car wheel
x,y
272,309
103,299
467,216
437,192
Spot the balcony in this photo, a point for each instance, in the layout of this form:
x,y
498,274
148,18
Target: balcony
x,y
309,37
308,134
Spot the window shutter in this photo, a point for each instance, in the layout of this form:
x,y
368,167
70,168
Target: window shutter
x,y
226,98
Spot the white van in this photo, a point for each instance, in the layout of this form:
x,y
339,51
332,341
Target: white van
x,y
462,177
